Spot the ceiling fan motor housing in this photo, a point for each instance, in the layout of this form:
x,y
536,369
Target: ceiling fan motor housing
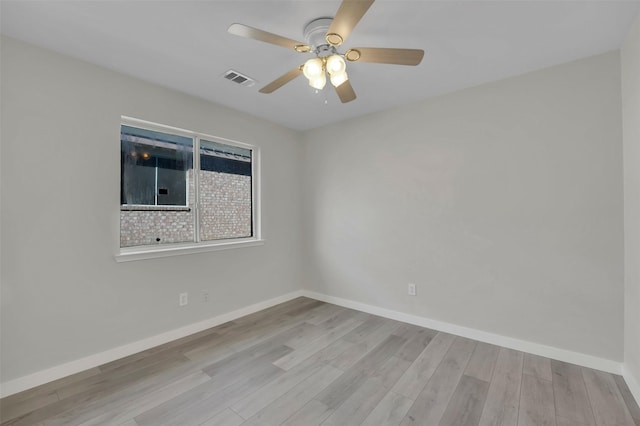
x,y
314,34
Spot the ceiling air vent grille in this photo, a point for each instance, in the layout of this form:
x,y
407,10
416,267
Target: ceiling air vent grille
x,y
238,78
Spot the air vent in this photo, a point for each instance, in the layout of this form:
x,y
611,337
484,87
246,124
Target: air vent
x,y
238,78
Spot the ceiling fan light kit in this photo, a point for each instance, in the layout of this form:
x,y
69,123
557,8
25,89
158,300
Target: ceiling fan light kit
x,y
323,35
338,79
315,70
336,65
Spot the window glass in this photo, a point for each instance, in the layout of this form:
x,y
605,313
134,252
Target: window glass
x,y
225,182
154,167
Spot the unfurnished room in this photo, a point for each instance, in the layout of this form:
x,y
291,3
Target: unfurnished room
x,y
320,212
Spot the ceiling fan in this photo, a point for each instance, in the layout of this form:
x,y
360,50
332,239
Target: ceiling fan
x,y
324,36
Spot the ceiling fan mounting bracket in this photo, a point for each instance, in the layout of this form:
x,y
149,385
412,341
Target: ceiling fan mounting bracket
x,y
315,32
325,50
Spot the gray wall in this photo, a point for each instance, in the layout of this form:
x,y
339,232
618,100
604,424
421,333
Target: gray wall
x,y
503,203
63,295
631,125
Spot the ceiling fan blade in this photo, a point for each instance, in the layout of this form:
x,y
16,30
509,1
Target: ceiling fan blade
x,y
281,81
345,92
256,34
347,17
383,55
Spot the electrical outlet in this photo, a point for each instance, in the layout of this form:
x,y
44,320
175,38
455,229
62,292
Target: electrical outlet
x,y
205,296
411,289
184,299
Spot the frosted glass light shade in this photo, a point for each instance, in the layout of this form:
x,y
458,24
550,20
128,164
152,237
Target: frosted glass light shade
x,y
338,79
318,82
335,65
313,68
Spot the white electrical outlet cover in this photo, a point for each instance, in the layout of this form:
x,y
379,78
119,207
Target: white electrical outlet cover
x,y
184,299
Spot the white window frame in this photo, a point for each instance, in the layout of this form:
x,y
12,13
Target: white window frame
x,y
125,254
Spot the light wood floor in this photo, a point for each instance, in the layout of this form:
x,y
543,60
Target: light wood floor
x,y
306,363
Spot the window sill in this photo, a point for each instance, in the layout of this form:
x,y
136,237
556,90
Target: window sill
x,y
140,253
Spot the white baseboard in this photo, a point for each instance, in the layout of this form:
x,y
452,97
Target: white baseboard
x,y
483,336
632,382
54,373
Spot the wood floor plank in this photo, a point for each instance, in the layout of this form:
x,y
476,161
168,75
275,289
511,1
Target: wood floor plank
x,y
431,403
354,353
344,386
503,397
340,317
312,413
482,361
261,332
225,418
23,404
305,308
299,355
41,394
408,331
390,411
609,408
120,410
245,334
217,394
200,337
102,381
390,371
416,343
536,402
323,313
256,401
561,421
359,404
302,334
370,324
570,394
276,313
537,366
376,358
328,353
227,370
366,342
110,389
465,407
206,401
286,405
632,405
81,407
415,378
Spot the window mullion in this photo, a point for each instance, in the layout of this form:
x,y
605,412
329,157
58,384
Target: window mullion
x,y
155,186
196,188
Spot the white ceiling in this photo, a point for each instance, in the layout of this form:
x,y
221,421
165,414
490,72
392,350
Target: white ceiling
x,y
184,45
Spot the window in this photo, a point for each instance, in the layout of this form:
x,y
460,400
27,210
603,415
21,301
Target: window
x,y
170,197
